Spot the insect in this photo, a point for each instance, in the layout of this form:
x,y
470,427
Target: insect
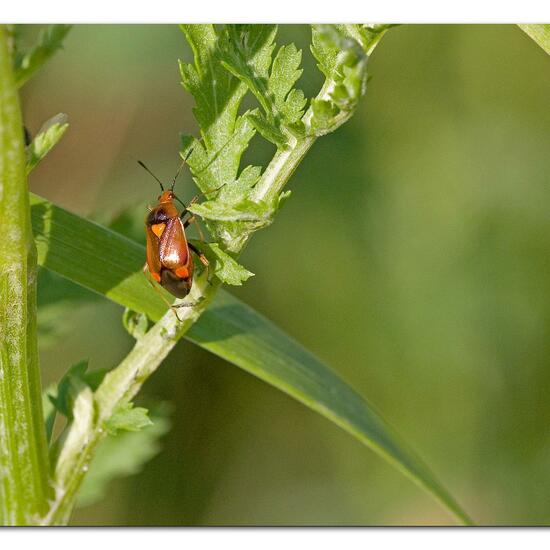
x,y
169,260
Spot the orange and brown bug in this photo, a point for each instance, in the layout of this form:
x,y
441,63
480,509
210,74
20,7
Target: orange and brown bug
x,y
169,259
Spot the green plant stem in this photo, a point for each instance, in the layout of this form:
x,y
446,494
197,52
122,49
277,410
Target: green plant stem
x,y
281,168
120,386
23,450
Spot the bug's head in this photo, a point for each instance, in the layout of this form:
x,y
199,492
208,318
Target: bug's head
x,y
166,196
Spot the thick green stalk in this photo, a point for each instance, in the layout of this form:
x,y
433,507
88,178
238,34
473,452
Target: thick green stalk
x,y
23,450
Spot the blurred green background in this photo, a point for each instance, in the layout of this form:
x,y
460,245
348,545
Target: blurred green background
x,y
413,258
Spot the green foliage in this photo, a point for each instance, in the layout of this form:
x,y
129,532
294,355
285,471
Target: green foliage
x,y
48,136
49,41
239,56
64,396
217,99
288,102
135,323
123,455
226,269
343,60
129,418
282,105
246,52
74,397
218,95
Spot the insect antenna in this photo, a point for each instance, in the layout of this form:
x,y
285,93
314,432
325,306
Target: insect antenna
x,y
180,201
180,169
177,174
149,171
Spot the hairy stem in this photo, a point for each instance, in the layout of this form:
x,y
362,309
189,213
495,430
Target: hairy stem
x,y
23,450
118,387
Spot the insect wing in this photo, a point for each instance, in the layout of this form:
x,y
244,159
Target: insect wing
x,y
153,257
173,250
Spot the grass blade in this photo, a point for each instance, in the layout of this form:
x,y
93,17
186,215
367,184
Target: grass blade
x,y
540,34
110,264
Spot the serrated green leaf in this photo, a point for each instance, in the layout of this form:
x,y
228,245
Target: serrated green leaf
x,y
284,73
218,96
247,56
128,418
110,264
48,136
336,46
282,105
49,41
225,267
250,175
213,169
266,128
324,47
239,218
342,54
234,193
123,455
293,107
214,162
244,211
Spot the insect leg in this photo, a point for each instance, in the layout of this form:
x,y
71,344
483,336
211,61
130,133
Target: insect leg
x,y
201,256
193,219
185,210
152,283
188,304
189,221
203,259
